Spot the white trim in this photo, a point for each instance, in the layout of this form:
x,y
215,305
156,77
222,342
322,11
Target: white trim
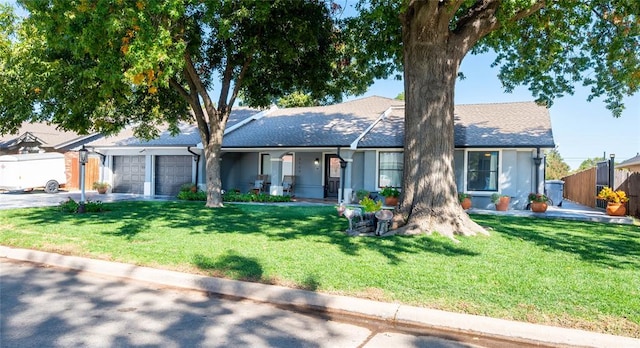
x,y
466,166
257,116
385,114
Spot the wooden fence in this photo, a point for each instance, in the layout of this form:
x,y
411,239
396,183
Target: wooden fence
x,y
72,169
581,188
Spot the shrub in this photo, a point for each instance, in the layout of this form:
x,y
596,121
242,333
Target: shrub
x,y
68,206
71,206
370,206
360,194
389,191
192,196
188,187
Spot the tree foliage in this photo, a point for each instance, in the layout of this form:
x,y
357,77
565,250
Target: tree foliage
x,y
100,66
556,168
550,46
589,163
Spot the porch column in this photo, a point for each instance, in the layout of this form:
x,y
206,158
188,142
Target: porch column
x,y
347,155
276,173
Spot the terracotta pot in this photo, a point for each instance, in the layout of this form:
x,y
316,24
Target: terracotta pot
x,y
466,203
503,204
102,190
616,209
539,207
391,201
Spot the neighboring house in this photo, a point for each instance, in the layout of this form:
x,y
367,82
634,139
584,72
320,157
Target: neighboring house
x,y
42,137
632,164
333,151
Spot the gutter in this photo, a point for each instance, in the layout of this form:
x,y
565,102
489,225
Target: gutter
x,y
385,114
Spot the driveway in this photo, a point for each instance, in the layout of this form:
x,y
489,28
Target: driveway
x,y
38,198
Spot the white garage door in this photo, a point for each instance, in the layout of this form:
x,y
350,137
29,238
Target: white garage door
x,y
128,174
171,173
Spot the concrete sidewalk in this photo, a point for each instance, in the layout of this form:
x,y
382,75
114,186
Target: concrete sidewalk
x,y
390,313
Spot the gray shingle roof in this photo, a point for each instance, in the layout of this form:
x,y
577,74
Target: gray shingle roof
x,y
321,126
49,135
522,124
503,125
188,136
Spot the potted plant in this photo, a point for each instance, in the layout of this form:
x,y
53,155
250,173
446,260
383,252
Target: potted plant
x,y
101,187
615,201
391,195
501,201
465,200
539,202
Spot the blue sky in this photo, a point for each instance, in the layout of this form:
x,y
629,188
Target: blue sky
x,y
581,129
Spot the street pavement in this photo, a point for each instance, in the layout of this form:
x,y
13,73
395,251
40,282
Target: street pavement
x,y
44,306
39,198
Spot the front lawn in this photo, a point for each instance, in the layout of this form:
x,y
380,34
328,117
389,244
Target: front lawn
x,y
565,273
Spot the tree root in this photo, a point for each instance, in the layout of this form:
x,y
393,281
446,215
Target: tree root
x,y
448,225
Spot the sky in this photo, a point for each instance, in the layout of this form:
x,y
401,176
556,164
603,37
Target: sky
x,y
581,129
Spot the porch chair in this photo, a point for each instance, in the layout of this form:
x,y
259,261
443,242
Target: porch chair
x,y
258,186
288,184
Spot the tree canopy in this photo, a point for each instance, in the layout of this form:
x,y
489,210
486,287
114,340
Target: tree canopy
x,y
556,167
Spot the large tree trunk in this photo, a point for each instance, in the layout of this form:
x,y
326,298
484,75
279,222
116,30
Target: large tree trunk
x,y
214,184
429,200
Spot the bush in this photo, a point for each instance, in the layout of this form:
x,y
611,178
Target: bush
x,y
188,187
68,206
192,196
370,206
234,196
71,206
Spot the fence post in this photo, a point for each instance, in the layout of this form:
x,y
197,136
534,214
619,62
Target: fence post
x,y
612,171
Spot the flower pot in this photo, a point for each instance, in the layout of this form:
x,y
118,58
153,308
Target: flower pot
x,y
466,203
539,207
616,209
391,201
102,190
503,204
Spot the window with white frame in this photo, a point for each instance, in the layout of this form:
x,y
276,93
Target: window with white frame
x,y
482,171
390,167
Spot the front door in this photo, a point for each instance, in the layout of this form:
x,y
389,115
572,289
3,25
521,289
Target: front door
x,y
332,176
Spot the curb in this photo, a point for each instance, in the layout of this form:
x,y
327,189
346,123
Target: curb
x,y
389,313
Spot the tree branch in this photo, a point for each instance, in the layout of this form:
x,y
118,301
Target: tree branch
x,y
178,87
198,86
481,19
226,85
238,83
194,101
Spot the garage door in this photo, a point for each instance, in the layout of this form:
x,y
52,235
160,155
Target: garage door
x,y
128,174
171,173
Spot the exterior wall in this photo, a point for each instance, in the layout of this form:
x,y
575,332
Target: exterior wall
x,y
357,171
239,170
516,177
370,176
309,177
106,170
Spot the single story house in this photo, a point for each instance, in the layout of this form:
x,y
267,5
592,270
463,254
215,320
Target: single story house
x,y
632,164
333,151
42,137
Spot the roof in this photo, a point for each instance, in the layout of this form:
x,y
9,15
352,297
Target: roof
x,y
319,126
44,136
188,136
372,122
521,124
631,162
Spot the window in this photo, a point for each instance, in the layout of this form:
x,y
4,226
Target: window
x,y
390,169
482,171
265,164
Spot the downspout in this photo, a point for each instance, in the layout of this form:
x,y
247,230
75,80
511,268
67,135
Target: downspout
x,y
197,157
537,160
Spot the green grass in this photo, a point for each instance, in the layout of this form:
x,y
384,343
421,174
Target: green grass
x,y
565,273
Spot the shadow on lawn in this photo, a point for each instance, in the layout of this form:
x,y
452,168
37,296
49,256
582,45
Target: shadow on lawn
x,y
610,245
130,218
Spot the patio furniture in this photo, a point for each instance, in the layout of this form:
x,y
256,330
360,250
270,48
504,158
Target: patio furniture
x,y
288,184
